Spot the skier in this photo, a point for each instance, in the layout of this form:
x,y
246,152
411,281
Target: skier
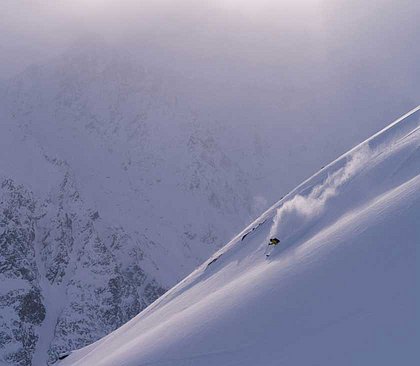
x,y
273,242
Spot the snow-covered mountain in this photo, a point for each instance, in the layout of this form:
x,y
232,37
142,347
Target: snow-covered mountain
x,y
118,178
103,207
66,275
339,289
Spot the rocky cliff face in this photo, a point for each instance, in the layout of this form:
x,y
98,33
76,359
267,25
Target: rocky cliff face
x,y
22,308
67,277
112,189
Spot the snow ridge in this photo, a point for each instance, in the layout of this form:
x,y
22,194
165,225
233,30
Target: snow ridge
x,y
339,288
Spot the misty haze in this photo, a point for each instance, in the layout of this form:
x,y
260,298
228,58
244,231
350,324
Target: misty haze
x,y
209,183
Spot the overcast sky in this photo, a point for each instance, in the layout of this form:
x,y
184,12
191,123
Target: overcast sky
x,y
337,60
342,36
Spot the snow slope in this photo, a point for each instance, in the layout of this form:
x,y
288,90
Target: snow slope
x,y
339,289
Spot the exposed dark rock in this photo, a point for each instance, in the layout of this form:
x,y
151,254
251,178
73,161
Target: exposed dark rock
x,y
31,308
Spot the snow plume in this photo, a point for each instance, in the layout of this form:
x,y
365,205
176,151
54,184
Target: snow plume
x,y
300,211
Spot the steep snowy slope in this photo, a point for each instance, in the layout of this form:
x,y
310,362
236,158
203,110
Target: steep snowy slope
x,y
339,289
